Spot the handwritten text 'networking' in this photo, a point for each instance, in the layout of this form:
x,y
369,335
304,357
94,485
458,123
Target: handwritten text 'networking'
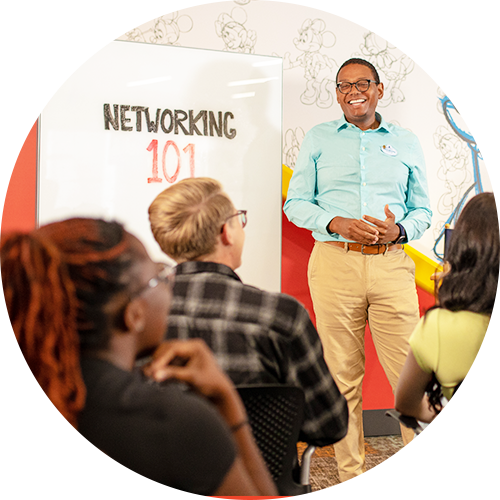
x,y
205,123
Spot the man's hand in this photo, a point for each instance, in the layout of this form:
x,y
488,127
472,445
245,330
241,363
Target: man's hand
x,y
355,230
387,230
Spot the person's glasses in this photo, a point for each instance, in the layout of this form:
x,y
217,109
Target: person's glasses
x,y
243,217
165,275
361,85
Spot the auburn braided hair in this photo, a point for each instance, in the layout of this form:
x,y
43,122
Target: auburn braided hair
x,y
97,255
57,281
41,388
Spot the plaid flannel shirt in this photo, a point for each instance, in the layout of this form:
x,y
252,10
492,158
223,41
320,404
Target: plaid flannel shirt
x,y
258,337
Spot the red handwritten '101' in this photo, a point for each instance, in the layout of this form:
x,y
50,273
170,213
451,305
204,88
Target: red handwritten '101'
x,y
153,146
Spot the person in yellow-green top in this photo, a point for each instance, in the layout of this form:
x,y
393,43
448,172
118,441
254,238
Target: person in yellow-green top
x,y
445,342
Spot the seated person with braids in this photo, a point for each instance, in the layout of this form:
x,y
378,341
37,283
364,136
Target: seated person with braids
x,y
85,301
447,339
257,337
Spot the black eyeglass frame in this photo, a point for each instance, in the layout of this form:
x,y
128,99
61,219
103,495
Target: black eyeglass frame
x,y
356,85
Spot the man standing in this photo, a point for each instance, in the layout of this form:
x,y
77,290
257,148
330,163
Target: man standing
x,y
256,336
359,184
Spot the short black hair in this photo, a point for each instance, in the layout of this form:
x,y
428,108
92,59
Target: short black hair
x,y
363,62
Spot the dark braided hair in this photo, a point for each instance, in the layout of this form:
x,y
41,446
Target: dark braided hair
x,y
473,256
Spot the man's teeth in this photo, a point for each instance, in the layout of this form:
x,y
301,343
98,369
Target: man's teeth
x,y
356,101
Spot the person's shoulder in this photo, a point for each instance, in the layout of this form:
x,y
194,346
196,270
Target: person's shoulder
x,y
401,132
324,126
437,316
289,315
462,319
443,323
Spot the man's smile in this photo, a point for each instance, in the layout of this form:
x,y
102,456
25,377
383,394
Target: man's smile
x,y
355,102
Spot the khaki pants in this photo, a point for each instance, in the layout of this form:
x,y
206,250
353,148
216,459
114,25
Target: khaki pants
x,y
347,289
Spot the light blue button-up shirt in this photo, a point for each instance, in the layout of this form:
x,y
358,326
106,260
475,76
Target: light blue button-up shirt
x,y
344,171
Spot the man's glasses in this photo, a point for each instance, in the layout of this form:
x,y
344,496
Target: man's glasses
x,y
361,85
165,275
243,217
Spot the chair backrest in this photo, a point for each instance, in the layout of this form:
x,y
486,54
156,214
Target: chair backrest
x,y
464,398
275,413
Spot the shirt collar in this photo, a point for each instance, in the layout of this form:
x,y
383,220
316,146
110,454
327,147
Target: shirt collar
x,y
383,127
196,267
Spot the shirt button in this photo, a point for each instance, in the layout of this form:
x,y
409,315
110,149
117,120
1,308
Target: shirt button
x,y
364,184
363,167
364,204
363,148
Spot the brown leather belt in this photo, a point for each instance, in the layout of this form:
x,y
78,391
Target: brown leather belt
x,y
365,249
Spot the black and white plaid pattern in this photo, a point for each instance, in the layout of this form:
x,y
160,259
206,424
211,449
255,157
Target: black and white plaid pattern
x,y
258,337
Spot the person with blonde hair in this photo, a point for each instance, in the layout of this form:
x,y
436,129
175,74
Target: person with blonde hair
x,y
256,336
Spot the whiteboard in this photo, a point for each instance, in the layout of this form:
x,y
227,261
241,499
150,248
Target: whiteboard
x,y
138,117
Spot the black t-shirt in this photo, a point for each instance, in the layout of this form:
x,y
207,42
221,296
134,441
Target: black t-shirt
x,y
162,432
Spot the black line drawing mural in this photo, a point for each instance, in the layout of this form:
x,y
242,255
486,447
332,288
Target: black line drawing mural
x,y
236,38
407,6
165,30
293,140
242,2
319,69
392,69
79,25
473,106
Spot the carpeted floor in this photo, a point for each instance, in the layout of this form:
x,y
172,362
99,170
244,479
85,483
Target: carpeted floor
x,y
324,466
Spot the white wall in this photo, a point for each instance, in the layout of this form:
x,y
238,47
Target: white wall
x,y
314,44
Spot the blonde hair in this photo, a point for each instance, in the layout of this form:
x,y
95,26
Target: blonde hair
x,y
187,217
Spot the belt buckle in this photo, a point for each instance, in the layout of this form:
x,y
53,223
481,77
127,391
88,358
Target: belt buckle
x,y
378,248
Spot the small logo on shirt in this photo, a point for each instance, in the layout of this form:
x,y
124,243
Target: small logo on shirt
x,y
388,150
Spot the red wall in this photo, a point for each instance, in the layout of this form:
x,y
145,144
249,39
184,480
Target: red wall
x,y
20,211
18,124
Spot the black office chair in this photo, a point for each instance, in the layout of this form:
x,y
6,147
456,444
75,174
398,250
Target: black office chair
x,y
465,396
276,413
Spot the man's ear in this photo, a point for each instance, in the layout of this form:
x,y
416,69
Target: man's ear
x,y
226,235
134,316
380,90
